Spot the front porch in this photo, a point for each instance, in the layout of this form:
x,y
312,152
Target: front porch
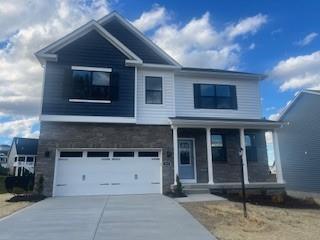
x,y
206,153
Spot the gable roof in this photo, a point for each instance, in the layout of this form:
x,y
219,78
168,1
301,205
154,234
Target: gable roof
x,y
136,40
49,52
26,146
295,99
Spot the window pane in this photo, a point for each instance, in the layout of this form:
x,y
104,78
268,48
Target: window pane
x,y
248,141
154,97
148,154
216,140
224,102
207,102
98,154
184,157
123,154
154,83
21,159
81,81
71,154
100,79
29,159
223,91
207,90
219,154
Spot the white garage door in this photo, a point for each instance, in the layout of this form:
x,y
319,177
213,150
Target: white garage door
x,y
101,172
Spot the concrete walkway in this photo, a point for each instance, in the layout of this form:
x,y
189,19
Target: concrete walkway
x,y
129,217
201,197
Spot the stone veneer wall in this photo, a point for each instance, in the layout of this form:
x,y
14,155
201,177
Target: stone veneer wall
x,y
55,135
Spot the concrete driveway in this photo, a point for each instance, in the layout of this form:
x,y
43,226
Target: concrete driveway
x,y
104,217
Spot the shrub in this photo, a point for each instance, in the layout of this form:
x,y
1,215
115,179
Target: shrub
x,y
4,171
178,190
26,183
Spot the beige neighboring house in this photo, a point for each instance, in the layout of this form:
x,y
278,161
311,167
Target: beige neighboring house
x,y
22,156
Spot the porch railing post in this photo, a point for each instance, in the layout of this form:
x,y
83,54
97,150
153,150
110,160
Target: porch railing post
x,y
244,156
277,157
209,156
175,154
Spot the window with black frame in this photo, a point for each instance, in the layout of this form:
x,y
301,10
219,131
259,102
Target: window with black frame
x,y
91,85
251,148
218,148
214,96
153,90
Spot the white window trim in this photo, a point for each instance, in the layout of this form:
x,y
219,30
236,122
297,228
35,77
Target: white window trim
x,y
94,69
89,101
145,90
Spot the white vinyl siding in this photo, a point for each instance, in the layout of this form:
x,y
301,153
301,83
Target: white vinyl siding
x,y
248,98
155,113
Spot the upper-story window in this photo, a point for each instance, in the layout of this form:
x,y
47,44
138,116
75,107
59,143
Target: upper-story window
x,y
153,90
213,96
93,84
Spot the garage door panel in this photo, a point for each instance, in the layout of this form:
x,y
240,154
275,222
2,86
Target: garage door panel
x,y
101,176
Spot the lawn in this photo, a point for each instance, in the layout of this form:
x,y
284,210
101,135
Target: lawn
x,y
225,220
6,208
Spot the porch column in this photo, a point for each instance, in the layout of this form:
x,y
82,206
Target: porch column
x,y
244,156
175,153
209,156
277,157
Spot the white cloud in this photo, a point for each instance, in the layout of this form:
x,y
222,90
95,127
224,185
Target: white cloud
x,y
19,128
198,43
298,72
252,46
248,25
151,19
307,39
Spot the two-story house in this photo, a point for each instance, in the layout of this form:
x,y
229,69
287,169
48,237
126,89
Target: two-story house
x,y
22,156
120,116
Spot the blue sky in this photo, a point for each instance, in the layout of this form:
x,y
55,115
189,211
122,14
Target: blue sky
x,y
279,38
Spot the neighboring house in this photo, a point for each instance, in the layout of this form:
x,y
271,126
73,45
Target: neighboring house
x,y
299,142
120,116
22,156
4,149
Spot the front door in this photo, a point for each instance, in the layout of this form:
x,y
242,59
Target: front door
x,y
186,160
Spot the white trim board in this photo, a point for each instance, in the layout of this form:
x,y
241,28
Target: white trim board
x,y
92,119
94,69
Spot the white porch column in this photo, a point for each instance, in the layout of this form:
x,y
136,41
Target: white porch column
x,y
277,157
175,153
209,156
244,156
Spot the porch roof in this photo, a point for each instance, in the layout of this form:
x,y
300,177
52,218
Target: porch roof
x,y
200,122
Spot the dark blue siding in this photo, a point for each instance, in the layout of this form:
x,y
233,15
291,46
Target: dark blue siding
x,y
134,43
92,50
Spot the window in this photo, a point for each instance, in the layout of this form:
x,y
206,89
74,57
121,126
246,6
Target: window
x,y
15,159
71,154
148,154
218,148
98,154
123,154
211,96
21,159
251,149
29,159
91,85
153,90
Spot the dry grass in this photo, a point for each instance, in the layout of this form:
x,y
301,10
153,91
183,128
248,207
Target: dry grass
x,y
6,208
225,220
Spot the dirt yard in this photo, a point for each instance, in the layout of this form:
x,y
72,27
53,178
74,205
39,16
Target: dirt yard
x,y
6,208
225,219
